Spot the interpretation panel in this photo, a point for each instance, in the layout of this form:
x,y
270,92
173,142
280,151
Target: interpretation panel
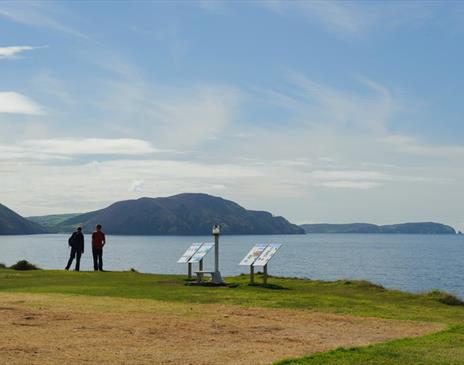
x,y
254,253
201,252
189,253
267,254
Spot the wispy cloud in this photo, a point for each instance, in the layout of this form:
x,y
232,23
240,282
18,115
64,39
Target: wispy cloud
x,y
49,150
185,116
37,14
90,146
15,103
212,6
344,184
349,179
319,104
13,51
352,19
410,145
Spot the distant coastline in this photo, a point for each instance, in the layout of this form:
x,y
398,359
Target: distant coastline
x,y
187,214
401,228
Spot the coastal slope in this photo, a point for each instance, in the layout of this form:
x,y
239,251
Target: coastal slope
x,y
52,220
404,228
12,223
183,214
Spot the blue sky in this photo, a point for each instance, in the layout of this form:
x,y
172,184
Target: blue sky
x,y
318,111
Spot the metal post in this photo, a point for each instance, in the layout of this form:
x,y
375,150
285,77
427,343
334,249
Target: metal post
x,y
200,265
189,270
252,274
216,253
265,274
217,279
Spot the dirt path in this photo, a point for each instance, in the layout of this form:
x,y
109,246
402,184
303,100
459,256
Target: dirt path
x,y
59,329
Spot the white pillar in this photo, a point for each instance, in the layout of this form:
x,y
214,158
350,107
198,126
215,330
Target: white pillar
x,y
217,279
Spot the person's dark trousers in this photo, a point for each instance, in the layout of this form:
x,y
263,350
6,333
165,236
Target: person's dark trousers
x,y
75,253
97,259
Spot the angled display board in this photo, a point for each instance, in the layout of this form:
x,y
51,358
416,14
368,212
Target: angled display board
x,y
254,253
201,252
267,254
189,253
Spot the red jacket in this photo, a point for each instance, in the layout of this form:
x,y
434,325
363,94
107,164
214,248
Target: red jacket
x,y
98,238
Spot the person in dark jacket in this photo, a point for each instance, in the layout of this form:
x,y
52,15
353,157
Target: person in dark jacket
x,y
76,242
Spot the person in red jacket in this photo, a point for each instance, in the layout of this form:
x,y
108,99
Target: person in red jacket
x,y
98,241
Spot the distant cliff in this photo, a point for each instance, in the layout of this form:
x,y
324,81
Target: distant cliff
x,y
12,223
404,228
183,214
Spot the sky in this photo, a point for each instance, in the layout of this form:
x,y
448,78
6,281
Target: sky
x,y
320,111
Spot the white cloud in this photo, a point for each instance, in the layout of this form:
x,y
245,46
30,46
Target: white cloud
x,y
17,153
349,175
12,51
136,186
15,103
39,188
412,146
324,145
90,146
49,150
349,179
342,184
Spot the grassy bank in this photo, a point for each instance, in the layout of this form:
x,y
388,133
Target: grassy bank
x,y
355,298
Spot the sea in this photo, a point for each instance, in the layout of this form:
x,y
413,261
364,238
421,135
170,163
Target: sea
x,y
414,263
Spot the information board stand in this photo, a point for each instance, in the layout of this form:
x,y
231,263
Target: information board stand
x,y
186,257
251,257
198,257
265,257
260,255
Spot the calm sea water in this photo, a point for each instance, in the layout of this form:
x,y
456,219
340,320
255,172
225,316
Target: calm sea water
x,y
409,262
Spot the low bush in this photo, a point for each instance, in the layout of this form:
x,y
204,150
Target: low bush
x,y
2,266
445,298
24,265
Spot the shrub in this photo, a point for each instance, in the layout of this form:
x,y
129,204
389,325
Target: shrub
x,y
24,265
2,266
445,298
362,284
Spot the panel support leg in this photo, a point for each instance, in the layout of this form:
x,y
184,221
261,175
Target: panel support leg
x,y
189,270
252,274
265,275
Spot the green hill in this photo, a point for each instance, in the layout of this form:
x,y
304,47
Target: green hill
x,y
183,214
12,223
50,221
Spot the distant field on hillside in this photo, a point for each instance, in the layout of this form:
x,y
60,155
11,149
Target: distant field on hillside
x,y
50,221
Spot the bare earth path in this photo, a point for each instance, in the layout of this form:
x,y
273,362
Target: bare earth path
x,y
60,329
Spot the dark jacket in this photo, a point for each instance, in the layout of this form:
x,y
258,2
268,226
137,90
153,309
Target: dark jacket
x,y
76,241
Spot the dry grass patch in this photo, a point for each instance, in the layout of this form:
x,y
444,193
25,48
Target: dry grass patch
x,y
57,329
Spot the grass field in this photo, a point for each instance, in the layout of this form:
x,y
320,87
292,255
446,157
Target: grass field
x,y
350,298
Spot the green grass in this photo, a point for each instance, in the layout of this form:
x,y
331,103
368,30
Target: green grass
x,y
357,298
443,348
